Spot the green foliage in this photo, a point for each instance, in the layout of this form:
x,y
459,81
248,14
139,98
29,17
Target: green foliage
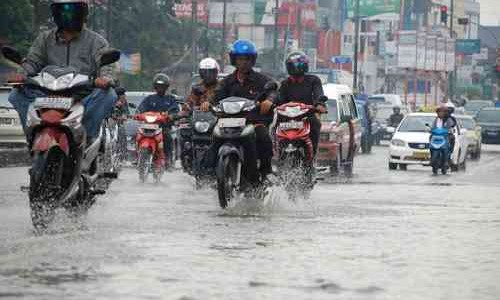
x,y
16,23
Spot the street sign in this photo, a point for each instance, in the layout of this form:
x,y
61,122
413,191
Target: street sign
x,y
468,47
341,59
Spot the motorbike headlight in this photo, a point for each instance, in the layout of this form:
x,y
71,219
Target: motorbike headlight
x,y
202,127
150,119
398,143
63,82
233,107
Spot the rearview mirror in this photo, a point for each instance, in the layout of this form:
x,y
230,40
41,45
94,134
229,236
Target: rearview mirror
x,y
12,54
270,86
323,99
110,56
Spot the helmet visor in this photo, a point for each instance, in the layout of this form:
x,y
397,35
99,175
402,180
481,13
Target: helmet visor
x,y
209,75
69,15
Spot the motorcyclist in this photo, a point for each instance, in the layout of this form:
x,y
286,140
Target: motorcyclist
x,y
246,83
396,117
162,102
443,120
71,43
304,88
204,92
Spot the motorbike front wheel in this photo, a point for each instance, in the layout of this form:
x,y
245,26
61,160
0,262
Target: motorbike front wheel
x,y
227,181
144,163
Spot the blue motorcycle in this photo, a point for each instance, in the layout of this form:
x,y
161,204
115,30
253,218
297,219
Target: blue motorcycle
x,y
440,150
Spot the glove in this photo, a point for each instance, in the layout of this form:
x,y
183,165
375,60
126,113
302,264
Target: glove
x,y
265,107
102,82
205,106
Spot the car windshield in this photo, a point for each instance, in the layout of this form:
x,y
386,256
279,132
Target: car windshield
x,y
376,99
476,105
489,116
467,123
416,123
4,100
383,113
332,114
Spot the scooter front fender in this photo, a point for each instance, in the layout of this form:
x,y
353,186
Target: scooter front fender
x,y
49,138
224,151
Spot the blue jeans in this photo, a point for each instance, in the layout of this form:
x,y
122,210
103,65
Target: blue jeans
x,y
98,106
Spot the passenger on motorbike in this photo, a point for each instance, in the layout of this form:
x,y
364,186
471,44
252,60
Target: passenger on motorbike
x,y
246,83
71,43
304,88
203,92
162,102
396,117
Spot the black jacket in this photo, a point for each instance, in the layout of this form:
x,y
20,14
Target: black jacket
x,y
252,88
307,91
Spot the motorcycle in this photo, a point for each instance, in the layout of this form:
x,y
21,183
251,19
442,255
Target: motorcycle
x,y
440,150
66,166
196,143
295,148
149,140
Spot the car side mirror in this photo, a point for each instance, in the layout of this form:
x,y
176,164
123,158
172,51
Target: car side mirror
x,y
12,54
345,118
110,56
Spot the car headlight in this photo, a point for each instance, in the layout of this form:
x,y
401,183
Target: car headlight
x,y
398,143
233,107
202,127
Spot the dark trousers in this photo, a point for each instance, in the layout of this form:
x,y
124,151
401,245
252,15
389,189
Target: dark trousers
x,y
168,147
315,132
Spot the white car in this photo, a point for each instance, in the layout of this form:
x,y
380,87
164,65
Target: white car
x,y
410,143
11,132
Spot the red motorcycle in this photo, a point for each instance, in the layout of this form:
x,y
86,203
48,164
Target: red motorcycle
x,y
150,148
295,147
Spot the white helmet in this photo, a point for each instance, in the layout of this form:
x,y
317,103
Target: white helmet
x,y
209,70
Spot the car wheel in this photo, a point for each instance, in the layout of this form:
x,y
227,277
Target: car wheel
x,y
403,167
393,166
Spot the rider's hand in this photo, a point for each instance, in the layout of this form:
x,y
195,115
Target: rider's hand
x,y
321,109
18,78
205,106
102,82
265,107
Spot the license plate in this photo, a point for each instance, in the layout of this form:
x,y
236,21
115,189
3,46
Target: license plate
x,y
232,122
421,155
6,121
150,126
492,132
291,125
54,103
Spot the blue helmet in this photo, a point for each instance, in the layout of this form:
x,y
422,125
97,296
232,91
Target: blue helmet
x,y
243,48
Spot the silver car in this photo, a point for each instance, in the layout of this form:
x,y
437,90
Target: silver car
x,y
11,131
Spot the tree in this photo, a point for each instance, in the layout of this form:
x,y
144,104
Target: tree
x,y
16,23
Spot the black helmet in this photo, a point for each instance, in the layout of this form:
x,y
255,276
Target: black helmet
x,y
70,14
297,63
161,79
120,91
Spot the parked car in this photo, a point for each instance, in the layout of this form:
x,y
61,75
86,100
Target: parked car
x,y
341,130
366,137
410,144
472,107
11,131
489,120
472,135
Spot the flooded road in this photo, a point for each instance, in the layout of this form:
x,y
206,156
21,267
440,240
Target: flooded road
x,y
381,235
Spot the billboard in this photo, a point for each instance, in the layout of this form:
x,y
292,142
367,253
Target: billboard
x,y
468,47
441,54
373,7
130,63
430,55
450,54
407,49
421,49
184,10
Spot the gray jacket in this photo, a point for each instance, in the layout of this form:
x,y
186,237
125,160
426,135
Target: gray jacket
x,y
82,53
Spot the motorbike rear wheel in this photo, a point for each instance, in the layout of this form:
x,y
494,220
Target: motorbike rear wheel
x,y
144,163
226,184
46,176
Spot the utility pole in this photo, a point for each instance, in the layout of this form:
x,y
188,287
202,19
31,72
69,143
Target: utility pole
x,y
356,46
223,54
276,12
452,78
194,22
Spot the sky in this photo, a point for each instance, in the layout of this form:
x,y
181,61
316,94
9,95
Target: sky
x,y
490,12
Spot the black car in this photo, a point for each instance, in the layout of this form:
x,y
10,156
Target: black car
x,y
489,120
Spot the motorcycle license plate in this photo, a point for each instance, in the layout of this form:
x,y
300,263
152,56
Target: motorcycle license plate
x,y
54,103
291,125
424,155
232,122
150,126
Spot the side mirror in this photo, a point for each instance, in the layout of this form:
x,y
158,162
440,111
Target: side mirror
x,y
12,54
323,99
110,56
